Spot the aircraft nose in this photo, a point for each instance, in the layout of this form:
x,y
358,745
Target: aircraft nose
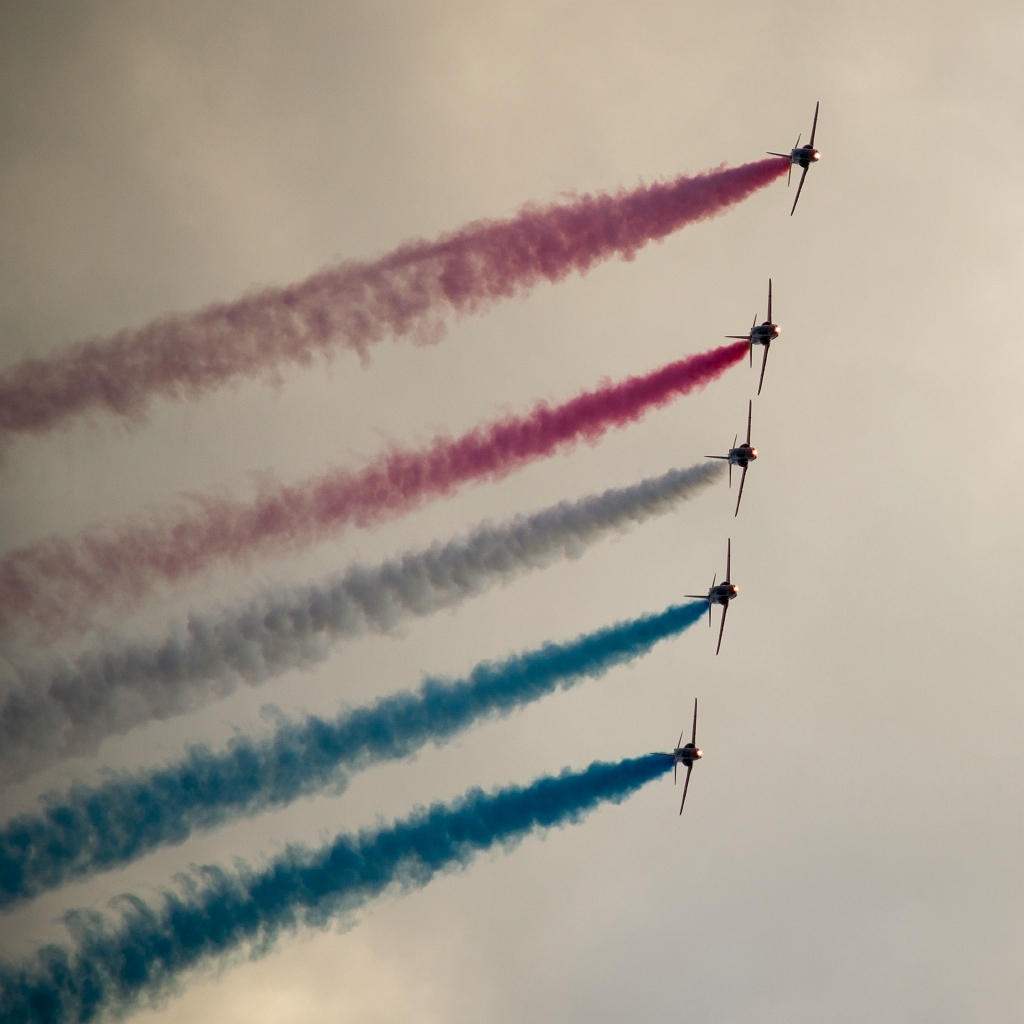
x,y
698,754
753,453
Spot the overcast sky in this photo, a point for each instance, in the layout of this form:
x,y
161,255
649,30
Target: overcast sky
x,y
850,848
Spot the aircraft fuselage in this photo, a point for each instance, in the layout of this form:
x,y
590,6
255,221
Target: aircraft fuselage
x,y
743,455
764,334
804,156
688,754
723,593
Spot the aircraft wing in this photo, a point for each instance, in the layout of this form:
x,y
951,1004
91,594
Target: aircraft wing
x,y
686,786
798,188
764,363
721,629
740,497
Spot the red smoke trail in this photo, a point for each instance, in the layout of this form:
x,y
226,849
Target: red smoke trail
x,y
355,305
55,582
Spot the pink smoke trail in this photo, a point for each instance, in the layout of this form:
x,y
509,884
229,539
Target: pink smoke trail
x,y
354,305
55,582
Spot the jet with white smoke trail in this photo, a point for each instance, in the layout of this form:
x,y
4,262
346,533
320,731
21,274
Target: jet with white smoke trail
x,y
68,710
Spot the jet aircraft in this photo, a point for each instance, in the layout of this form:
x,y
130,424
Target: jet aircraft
x,y
741,456
761,334
721,594
686,755
803,156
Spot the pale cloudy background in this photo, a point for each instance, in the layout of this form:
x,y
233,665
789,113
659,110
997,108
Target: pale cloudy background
x,y
851,847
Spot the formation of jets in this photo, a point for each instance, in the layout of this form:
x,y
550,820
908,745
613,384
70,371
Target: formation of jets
x,y
741,456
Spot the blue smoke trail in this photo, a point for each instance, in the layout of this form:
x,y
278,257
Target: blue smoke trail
x,y
113,968
94,829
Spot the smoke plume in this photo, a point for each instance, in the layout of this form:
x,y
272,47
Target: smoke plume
x,y
95,829
56,582
68,710
113,967
405,293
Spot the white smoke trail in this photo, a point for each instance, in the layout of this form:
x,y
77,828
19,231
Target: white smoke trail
x,y
69,709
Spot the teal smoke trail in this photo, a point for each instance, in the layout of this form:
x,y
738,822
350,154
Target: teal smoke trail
x,y
112,968
94,829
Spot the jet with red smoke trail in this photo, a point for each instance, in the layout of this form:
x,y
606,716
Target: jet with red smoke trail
x,y
408,292
802,156
721,593
58,583
742,455
761,334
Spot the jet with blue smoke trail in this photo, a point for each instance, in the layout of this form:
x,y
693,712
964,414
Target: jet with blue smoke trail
x,y
68,710
721,593
113,968
95,829
687,756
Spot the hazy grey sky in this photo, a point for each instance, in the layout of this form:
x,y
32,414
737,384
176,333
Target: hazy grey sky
x,y
850,847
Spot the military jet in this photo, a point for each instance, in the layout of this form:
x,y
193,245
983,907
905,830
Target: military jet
x,y
721,594
741,456
761,334
803,156
686,755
